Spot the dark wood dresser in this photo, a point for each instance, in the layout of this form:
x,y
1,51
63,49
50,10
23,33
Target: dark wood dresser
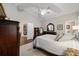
x,y
9,38
49,32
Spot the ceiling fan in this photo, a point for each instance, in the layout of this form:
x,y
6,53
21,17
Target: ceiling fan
x,y
45,11
44,8
49,9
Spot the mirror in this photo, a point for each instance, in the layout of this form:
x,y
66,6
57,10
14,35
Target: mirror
x,y
50,27
25,29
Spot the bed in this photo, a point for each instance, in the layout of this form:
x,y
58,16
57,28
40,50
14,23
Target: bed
x,y
48,43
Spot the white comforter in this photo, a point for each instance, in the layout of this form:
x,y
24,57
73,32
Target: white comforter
x,y
48,43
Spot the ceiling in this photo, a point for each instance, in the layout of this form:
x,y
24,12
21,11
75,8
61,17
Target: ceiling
x,y
58,9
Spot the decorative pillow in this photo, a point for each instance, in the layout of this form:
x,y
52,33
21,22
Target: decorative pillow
x,y
67,37
56,36
77,36
60,35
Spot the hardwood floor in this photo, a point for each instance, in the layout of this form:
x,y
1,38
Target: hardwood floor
x,y
27,50
24,40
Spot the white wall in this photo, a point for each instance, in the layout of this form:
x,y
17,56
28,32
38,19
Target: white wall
x,y
29,16
24,17
61,20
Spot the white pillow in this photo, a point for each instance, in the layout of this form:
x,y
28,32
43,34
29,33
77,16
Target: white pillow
x,y
67,37
60,35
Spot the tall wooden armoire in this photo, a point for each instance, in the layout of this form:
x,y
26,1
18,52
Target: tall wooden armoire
x,y
9,38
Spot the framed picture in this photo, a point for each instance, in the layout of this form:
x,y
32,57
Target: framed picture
x,y
2,13
67,26
25,29
60,27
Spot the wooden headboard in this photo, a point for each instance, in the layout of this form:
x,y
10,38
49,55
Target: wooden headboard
x,y
37,32
50,30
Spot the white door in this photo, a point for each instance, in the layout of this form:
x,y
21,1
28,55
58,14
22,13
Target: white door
x,y
30,30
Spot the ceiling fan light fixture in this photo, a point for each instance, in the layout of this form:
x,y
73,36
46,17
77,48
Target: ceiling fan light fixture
x,y
45,11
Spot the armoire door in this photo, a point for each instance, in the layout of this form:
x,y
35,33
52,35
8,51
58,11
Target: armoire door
x,y
3,39
8,40
13,48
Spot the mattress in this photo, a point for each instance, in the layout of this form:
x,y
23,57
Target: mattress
x,y
48,43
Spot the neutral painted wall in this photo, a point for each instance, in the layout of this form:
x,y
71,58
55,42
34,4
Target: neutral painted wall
x,y
24,17
61,20
29,15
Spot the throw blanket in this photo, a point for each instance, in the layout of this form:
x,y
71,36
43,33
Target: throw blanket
x,y
72,52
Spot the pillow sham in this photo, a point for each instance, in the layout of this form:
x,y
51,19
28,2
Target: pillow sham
x,y
67,37
77,36
60,35
56,37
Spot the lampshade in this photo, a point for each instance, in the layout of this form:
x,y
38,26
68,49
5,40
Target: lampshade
x,y
75,28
